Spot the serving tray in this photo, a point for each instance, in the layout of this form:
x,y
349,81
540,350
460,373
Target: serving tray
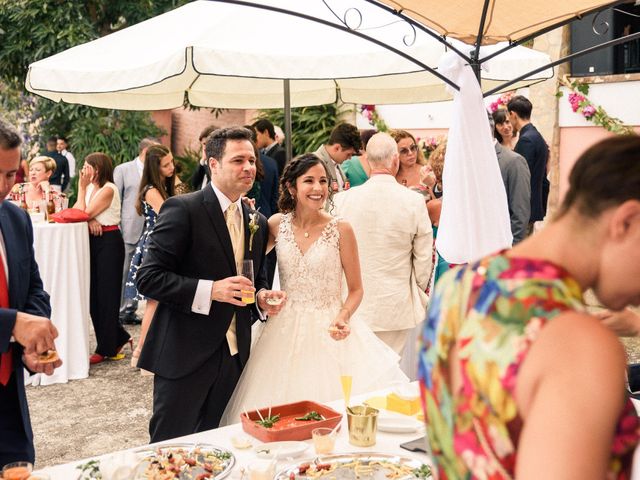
x,y
287,428
353,466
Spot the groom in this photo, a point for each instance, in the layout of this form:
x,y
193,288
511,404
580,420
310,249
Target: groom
x,y
199,339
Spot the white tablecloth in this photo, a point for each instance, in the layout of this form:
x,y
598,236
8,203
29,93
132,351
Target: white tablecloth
x,y
62,253
385,443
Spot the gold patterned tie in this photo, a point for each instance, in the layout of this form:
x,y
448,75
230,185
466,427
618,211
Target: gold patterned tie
x,y
231,218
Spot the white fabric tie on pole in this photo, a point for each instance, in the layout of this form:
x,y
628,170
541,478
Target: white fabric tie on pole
x,y
475,215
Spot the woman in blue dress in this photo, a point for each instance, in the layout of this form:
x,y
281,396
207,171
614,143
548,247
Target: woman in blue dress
x,y
157,183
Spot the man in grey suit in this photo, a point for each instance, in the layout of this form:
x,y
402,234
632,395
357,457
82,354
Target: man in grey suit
x,y
517,182
344,142
127,176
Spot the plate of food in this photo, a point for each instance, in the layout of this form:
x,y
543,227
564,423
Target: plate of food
x,y
180,461
184,461
280,450
353,466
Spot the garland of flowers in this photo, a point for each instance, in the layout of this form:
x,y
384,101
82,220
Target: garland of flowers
x,y
501,102
373,117
581,104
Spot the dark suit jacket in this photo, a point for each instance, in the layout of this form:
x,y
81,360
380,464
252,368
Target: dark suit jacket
x,y
534,149
517,183
268,201
279,154
26,294
190,241
198,176
61,175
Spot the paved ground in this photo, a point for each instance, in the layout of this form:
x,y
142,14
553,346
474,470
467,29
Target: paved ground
x,y
108,411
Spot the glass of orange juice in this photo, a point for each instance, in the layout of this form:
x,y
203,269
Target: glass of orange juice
x,y
248,296
17,471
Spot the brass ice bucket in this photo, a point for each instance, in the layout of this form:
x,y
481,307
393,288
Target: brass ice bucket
x,y
363,425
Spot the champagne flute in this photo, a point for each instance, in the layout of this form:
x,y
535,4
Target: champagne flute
x,y
345,370
247,296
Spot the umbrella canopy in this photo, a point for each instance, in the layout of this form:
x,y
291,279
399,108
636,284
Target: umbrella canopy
x,y
213,52
495,20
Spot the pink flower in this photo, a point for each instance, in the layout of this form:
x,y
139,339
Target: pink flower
x,y
588,111
575,99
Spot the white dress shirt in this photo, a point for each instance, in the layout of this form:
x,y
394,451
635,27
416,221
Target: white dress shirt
x,y
202,299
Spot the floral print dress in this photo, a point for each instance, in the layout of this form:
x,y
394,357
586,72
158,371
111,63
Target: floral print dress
x,y
493,311
150,217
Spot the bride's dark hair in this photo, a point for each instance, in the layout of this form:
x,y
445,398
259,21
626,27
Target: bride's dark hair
x,y
295,169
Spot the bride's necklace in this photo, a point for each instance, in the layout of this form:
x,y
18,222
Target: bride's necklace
x,y
305,231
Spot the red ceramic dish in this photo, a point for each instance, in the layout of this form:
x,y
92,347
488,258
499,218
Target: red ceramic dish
x,y
288,428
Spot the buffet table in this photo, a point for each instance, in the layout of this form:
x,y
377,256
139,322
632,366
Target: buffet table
x,y
62,253
388,443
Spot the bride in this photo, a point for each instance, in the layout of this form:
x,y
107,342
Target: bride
x,y
313,341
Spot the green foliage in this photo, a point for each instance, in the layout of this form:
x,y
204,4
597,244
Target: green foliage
x,y
117,133
187,163
31,30
311,126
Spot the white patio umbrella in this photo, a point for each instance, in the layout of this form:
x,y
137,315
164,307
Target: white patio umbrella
x,y
215,53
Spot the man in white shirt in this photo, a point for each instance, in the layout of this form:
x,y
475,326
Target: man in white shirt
x,y
127,177
344,142
395,243
62,146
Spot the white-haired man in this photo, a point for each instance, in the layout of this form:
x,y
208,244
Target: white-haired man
x,y
395,242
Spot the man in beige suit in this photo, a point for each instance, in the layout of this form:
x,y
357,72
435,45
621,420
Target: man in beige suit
x,y
395,243
344,142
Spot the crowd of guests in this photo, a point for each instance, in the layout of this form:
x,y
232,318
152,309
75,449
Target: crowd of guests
x,y
364,207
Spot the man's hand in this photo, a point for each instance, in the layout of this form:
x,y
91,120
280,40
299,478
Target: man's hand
x,y
35,334
229,290
625,323
33,363
271,301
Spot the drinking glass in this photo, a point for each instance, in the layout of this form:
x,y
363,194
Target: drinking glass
x,y
324,440
247,296
262,470
17,471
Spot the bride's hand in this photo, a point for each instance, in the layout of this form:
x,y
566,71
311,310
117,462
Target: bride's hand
x,y
271,301
339,329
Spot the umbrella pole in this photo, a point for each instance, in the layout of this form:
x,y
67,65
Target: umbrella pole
x,y
287,119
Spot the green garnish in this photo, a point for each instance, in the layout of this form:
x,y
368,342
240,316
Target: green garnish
x,y
423,472
90,470
312,415
268,422
222,455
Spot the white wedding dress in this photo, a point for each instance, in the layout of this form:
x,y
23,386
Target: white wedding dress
x,y
295,358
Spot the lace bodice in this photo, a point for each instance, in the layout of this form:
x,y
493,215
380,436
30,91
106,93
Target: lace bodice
x,y
314,278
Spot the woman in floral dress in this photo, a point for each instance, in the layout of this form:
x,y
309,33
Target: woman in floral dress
x,y
518,381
